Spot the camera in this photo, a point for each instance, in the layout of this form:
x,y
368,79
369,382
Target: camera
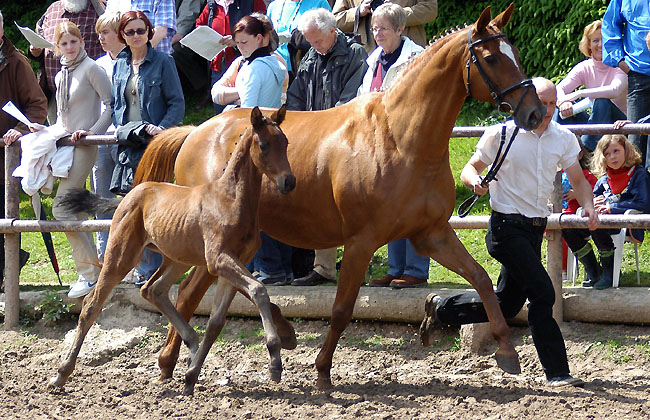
x,y
375,4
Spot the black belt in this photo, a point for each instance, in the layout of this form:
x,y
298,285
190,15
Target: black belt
x,y
535,221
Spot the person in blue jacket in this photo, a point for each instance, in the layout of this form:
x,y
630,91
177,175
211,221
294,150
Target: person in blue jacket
x,y
625,185
625,24
146,88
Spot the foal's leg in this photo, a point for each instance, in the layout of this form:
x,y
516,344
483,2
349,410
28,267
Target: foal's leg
x,y
121,256
223,297
353,267
230,269
444,246
156,291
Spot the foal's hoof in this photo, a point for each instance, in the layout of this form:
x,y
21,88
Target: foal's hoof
x,y
189,389
288,341
56,382
276,375
324,383
430,321
508,363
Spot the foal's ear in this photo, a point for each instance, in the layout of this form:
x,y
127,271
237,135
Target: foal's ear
x,y
483,20
257,119
502,20
278,116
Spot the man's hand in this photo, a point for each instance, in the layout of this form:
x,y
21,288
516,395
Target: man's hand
x,y
228,41
152,130
11,136
364,7
623,66
593,222
566,109
80,133
36,52
177,38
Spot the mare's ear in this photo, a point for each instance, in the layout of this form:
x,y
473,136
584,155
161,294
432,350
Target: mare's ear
x,y
257,119
278,116
502,20
483,20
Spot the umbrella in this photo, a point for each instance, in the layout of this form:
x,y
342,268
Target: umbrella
x,y
47,236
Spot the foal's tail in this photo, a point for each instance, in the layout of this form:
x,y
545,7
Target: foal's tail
x,y
80,200
157,163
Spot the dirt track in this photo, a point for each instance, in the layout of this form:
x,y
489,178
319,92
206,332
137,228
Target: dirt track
x,y
380,372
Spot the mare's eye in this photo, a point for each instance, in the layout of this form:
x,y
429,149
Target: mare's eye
x,y
491,60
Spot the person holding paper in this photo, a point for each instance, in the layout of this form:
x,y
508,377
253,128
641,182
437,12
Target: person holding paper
x,y
146,91
606,88
18,84
222,15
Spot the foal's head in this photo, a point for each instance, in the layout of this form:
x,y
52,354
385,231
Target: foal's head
x,y
269,148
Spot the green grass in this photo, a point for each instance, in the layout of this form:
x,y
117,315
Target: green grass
x,y
38,271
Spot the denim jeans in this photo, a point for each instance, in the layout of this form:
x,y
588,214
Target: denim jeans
x,y
149,263
272,259
638,106
402,259
604,111
517,246
101,182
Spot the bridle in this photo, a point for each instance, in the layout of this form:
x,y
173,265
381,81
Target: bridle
x,y
497,95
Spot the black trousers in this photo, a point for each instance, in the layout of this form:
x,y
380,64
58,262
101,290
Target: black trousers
x,y
516,242
576,238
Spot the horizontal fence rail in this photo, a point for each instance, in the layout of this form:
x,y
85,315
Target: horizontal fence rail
x,y
11,226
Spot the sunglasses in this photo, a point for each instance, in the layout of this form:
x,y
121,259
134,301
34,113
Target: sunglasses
x,y
139,31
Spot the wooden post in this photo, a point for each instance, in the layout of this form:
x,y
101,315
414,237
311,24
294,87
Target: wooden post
x,y
12,240
554,251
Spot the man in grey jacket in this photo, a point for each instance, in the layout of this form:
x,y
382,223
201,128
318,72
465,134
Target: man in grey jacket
x,y
329,75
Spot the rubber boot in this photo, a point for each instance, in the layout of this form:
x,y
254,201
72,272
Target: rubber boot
x,y
588,259
607,279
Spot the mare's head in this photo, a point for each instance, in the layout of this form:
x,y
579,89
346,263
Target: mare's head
x,y
269,148
494,72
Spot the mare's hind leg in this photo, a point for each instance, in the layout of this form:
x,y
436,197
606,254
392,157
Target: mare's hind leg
x,y
230,269
444,246
156,291
223,297
120,257
353,267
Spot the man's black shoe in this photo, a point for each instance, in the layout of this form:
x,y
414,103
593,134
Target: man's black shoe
x,y
311,279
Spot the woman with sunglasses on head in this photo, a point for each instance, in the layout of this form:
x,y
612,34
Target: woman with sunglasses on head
x,y
146,90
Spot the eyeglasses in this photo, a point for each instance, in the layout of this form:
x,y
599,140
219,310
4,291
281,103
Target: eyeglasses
x,y
378,29
139,31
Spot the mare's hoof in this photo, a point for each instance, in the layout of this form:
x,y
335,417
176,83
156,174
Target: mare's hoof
x,y
324,383
508,363
430,322
276,375
189,389
288,341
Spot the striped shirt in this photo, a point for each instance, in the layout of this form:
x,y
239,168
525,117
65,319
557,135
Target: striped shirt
x,y
160,13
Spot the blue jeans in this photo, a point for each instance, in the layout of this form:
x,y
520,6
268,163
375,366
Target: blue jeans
x,y
638,106
149,263
101,181
517,245
604,111
402,259
214,77
272,259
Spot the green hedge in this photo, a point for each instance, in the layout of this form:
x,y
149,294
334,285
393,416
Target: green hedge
x,y
547,32
26,13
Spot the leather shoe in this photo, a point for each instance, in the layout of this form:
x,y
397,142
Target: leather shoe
x,y
311,279
408,281
431,322
383,282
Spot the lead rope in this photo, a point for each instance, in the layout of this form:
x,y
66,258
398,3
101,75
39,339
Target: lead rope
x,y
491,175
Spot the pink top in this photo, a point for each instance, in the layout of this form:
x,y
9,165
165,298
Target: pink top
x,y
599,80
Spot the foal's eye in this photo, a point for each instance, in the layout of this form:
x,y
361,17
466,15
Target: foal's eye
x,y
264,146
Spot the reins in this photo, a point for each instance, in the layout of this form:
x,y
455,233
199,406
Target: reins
x,y
491,175
497,95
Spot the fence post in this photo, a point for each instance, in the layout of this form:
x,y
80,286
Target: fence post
x,y
554,251
12,240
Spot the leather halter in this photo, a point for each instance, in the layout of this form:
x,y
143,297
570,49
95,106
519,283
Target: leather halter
x,y
497,95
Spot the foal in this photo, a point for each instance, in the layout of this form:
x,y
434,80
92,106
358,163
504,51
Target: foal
x,y
170,219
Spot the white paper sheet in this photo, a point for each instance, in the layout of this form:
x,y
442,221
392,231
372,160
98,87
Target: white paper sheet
x,y
34,39
204,41
12,110
284,38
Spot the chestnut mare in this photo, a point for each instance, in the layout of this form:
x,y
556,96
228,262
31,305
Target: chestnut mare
x,y
170,219
368,172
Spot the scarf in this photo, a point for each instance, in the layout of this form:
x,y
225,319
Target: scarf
x,y
619,179
62,91
260,52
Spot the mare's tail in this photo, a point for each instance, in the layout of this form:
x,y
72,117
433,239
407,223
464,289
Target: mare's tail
x,y
80,200
157,163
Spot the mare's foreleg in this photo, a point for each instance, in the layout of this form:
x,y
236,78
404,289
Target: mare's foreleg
x,y
232,270
122,253
353,268
444,246
223,297
156,291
